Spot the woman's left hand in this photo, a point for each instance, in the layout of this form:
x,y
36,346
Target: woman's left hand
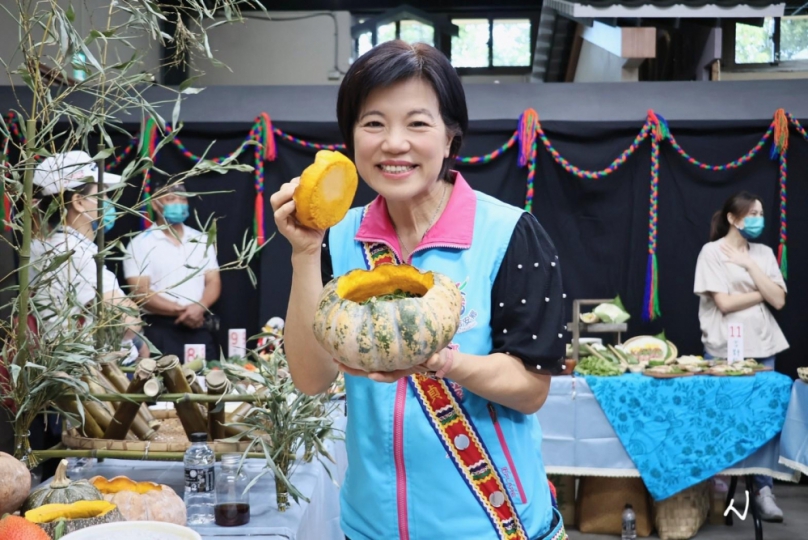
x,y
439,362
736,256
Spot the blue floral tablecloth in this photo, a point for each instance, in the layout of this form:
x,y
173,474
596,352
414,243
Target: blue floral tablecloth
x,y
679,432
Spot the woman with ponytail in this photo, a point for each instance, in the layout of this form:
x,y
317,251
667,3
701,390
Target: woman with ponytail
x,y
737,280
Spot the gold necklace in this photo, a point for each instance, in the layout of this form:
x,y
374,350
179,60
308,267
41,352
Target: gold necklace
x,y
431,223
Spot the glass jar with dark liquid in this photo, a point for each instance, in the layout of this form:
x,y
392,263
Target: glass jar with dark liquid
x,y
232,501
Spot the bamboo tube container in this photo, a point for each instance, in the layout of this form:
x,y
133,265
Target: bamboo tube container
x,y
217,385
190,378
196,388
127,411
90,428
120,381
153,387
174,380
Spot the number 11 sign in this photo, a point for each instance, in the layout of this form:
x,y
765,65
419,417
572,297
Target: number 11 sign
x,y
735,343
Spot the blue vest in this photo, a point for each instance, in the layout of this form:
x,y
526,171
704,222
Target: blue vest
x,y
385,472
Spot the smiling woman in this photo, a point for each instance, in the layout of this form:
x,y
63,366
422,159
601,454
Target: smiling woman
x,y
402,111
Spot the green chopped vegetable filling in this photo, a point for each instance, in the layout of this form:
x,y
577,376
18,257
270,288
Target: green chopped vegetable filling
x,y
398,294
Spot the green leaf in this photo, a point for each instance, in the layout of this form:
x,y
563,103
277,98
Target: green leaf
x,y
103,154
94,34
187,83
70,13
661,336
619,303
15,373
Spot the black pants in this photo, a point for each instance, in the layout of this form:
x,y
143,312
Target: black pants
x,y
171,338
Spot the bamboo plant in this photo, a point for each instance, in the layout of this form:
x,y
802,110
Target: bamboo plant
x,y
283,424
84,78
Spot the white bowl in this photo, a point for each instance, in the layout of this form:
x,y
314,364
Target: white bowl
x,y
136,529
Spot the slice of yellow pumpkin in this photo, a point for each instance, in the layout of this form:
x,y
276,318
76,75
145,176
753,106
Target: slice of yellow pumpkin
x,y
77,510
326,191
122,483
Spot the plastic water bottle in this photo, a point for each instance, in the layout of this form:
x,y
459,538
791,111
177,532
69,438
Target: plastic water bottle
x,y
629,524
200,483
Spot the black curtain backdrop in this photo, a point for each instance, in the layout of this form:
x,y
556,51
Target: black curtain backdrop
x,y
600,227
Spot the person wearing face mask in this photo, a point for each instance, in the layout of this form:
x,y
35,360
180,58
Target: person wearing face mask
x,y
737,281
67,190
175,277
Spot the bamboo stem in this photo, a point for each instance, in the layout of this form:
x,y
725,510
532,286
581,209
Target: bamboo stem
x,y
127,410
25,248
178,398
112,372
190,377
125,454
90,428
100,241
174,380
217,385
100,386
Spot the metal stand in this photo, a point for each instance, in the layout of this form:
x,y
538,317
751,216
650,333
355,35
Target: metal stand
x,y
577,327
750,488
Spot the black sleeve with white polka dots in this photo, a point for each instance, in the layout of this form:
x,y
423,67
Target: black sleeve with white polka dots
x,y
527,306
325,261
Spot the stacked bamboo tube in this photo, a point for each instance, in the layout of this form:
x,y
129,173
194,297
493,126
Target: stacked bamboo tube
x,y
119,408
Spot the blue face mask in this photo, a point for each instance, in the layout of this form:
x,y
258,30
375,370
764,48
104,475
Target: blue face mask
x,y
109,215
752,227
175,213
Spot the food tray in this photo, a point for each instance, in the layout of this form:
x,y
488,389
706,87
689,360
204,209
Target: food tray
x,y
667,375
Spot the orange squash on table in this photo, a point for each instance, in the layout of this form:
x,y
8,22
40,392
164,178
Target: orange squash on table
x,y
326,190
392,317
142,501
17,528
15,483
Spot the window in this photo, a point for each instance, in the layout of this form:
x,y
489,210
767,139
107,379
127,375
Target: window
x,y
794,38
492,43
773,42
485,44
470,47
406,30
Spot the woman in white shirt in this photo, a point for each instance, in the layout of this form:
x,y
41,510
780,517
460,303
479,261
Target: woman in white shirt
x,y
737,281
64,288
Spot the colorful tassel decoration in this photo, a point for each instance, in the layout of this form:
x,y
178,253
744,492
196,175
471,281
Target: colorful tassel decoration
x,y
780,141
659,126
531,176
651,298
260,134
148,149
268,135
528,128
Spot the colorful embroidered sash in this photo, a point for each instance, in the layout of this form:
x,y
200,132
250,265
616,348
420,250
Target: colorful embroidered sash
x,y
457,433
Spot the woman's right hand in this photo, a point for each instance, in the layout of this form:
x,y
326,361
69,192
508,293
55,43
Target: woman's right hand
x,y
303,239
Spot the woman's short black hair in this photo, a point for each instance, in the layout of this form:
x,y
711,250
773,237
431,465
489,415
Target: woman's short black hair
x,y
394,62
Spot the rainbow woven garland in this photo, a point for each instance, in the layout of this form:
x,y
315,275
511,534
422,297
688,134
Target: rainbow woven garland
x,y
529,131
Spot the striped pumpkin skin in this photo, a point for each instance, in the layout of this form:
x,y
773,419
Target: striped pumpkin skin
x,y
387,335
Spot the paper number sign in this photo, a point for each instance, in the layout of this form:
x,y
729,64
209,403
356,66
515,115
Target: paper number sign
x,y
193,352
236,342
735,343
